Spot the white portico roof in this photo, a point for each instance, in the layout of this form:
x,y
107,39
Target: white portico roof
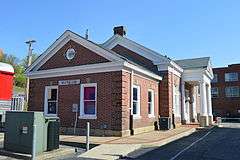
x,y
202,62
6,67
196,69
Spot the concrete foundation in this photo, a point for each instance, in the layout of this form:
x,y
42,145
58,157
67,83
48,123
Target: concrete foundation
x,y
210,120
204,121
184,122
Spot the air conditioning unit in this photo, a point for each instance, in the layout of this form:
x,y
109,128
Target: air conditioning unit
x,y
165,123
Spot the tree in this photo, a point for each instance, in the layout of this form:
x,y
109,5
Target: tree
x,y
19,67
25,60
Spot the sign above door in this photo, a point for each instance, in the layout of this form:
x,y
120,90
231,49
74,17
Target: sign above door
x,y
69,82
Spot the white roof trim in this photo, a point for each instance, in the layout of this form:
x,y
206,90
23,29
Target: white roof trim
x,y
143,51
155,57
6,67
88,69
143,71
62,40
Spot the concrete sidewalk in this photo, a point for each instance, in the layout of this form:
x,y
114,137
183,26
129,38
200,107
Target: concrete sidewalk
x,y
117,147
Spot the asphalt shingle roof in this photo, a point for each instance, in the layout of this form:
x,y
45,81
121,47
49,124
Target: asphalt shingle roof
x,y
202,62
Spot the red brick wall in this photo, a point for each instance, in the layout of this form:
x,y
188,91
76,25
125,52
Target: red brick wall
x,y
109,101
83,56
165,92
223,106
144,84
113,99
166,95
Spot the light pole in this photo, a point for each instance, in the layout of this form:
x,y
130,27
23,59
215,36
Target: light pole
x,y
29,58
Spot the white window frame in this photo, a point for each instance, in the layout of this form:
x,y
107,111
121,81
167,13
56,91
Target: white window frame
x,y
176,100
228,77
138,109
46,100
216,92
151,103
231,93
215,79
82,114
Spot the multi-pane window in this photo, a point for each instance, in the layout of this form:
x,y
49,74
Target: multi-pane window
x,y
88,100
51,100
151,102
136,101
231,76
214,92
176,97
215,78
232,91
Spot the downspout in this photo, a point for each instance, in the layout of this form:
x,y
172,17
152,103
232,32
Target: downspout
x,y
131,105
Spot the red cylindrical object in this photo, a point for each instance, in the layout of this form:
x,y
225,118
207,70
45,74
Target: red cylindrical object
x,y
6,81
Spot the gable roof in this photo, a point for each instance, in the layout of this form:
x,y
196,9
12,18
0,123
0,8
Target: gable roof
x,y
98,49
154,56
202,62
62,40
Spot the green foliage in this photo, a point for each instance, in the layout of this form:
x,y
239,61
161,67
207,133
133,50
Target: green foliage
x,y
20,78
19,67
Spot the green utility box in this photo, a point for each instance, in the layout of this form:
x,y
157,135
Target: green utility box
x,y
19,131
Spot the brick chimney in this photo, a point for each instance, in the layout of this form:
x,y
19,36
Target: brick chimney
x,y
120,30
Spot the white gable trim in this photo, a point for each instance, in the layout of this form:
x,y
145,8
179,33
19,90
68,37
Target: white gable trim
x,y
156,58
62,40
131,45
143,71
91,68
169,69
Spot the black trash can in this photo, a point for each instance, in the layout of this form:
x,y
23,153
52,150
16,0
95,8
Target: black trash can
x,y
165,123
53,134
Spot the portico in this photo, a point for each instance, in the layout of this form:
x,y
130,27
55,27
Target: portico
x,y
196,89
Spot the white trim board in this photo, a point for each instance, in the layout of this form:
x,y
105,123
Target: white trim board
x,y
81,112
92,68
46,100
62,40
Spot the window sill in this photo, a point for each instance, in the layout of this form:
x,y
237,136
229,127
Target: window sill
x,y
87,117
50,115
151,116
137,117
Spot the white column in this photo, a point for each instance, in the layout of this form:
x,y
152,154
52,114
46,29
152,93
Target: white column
x,y
210,116
194,108
209,100
203,96
183,111
203,106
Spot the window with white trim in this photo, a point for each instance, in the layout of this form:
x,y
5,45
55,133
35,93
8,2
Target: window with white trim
x,y
214,92
215,78
233,76
51,100
176,100
136,101
150,102
88,104
232,91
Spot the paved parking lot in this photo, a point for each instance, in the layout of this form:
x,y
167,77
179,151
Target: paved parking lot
x,y
216,144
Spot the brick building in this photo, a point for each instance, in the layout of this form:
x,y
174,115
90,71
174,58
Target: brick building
x,y
120,86
226,91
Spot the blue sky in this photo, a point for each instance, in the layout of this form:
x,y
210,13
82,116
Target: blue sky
x,y
177,28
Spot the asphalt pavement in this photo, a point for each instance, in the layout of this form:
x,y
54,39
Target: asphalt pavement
x,y
214,144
